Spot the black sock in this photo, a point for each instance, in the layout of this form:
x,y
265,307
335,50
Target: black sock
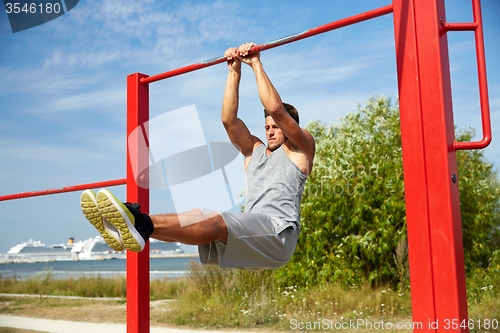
x,y
143,223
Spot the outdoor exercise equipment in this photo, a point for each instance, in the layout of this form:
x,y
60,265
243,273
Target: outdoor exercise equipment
x,y
429,159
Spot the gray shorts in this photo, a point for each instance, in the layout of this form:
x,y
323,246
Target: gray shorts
x,y
254,242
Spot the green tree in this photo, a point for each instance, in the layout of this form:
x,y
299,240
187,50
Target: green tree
x,y
353,207
479,205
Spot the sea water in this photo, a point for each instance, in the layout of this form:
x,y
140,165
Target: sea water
x,y
159,268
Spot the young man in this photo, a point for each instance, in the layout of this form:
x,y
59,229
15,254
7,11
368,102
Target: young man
x,y
265,235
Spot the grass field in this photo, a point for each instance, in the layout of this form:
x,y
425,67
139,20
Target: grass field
x,y
16,330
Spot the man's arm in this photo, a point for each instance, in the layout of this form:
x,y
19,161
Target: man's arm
x,y
236,129
272,102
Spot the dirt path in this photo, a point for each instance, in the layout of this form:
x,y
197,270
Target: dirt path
x,y
62,314
25,324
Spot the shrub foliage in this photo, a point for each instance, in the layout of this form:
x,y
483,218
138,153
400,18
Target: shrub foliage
x,y
353,207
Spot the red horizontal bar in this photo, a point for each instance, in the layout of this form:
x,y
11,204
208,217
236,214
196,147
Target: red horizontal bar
x,y
64,189
460,26
485,142
305,34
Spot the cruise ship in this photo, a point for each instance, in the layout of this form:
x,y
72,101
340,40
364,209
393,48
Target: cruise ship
x,y
90,249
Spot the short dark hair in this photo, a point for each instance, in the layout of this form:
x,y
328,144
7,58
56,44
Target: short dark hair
x,y
290,109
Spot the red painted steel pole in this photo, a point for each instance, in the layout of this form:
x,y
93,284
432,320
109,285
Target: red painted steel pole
x,y
435,245
137,263
293,38
64,189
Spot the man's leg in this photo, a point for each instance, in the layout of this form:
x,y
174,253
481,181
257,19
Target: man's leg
x,y
132,228
160,236
192,228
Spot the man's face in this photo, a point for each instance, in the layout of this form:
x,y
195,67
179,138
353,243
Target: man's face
x,y
274,135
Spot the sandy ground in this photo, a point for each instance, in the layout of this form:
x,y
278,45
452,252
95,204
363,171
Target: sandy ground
x,y
93,315
25,324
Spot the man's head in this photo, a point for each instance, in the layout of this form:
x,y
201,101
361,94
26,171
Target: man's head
x,y
274,135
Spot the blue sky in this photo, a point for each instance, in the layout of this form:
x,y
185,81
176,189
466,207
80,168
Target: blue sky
x,y
63,87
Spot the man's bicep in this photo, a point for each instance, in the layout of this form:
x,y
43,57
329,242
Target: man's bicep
x,y
240,135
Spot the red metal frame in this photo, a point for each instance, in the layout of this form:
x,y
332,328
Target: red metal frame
x,y
137,263
64,189
429,159
477,27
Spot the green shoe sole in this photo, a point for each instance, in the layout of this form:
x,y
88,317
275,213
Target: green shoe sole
x,y
88,203
116,213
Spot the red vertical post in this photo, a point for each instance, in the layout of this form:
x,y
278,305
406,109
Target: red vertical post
x,y
430,167
137,263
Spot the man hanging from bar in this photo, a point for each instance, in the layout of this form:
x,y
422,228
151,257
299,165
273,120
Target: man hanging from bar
x,y
265,235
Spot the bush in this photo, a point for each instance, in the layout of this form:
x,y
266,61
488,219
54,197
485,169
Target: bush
x,y
353,207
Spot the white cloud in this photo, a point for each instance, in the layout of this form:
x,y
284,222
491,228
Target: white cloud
x,y
40,81
145,32
71,61
59,154
96,100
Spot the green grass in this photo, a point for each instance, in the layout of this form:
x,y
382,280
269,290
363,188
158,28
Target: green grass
x,y
43,284
230,298
218,298
483,294
16,330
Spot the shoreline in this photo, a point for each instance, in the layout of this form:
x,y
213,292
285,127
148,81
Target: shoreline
x,y
122,257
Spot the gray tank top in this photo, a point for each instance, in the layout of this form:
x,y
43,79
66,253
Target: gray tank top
x,y
274,185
